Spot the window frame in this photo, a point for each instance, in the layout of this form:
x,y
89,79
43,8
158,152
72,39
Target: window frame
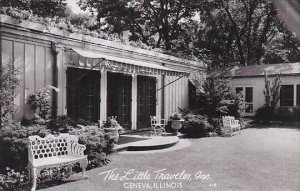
x,y
246,104
282,101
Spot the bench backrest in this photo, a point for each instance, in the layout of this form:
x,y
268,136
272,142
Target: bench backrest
x,y
53,146
155,120
226,121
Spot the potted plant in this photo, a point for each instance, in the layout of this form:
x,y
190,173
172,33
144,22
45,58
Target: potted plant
x,y
176,120
113,127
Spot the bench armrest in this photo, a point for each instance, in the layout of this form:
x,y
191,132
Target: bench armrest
x,y
76,149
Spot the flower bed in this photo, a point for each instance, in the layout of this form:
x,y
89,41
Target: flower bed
x,y
14,151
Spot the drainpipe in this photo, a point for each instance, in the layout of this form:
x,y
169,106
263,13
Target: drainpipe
x,y
163,82
55,51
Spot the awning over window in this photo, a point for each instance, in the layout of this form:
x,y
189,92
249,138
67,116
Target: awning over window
x,y
197,79
129,65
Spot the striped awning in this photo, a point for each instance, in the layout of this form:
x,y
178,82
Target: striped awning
x,y
118,64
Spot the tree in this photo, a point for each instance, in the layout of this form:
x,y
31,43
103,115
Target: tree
x,y
210,100
157,23
43,8
272,91
243,32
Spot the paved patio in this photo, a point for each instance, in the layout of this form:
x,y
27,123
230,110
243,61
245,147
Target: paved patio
x,y
257,159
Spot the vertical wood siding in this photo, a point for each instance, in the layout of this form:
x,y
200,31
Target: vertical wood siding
x,y
176,95
35,64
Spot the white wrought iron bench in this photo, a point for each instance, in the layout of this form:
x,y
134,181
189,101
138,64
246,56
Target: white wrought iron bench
x,y
235,124
157,125
54,151
230,124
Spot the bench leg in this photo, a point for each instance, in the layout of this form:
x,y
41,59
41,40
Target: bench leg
x,y
34,177
83,165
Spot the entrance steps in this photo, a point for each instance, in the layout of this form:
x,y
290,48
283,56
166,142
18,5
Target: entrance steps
x,y
146,143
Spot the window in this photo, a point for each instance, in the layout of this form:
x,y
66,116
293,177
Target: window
x,y
249,100
238,90
298,95
247,93
287,95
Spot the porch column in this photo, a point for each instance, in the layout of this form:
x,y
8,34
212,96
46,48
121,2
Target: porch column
x,y
103,95
134,103
55,50
295,95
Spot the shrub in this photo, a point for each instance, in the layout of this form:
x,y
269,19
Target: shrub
x,y
13,143
196,126
267,112
40,103
14,151
264,114
98,146
237,107
296,114
13,180
284,114
210,100
217,125
62,124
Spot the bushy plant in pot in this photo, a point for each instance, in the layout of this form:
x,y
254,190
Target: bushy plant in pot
x,y
176,122
113,127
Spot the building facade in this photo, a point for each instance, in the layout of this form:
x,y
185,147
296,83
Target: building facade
x,y
94,78
250,81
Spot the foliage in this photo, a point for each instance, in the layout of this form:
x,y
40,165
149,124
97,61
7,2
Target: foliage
x,y
43,8
14,151
62,124
157,23
282,114
288,114
210,100
40,101
98,145
264,114
272,91
13,141
243,32
8,83
176,116
267,112
216,124
237,107
196,126
113,123
13,180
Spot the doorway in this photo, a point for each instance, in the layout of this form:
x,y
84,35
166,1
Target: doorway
x,y
119,98
146,100
83,94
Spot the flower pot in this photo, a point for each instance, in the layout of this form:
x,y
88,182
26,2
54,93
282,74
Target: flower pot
x,y
176,125
114,133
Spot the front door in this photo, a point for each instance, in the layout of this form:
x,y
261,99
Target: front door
x,y
83,94
146,100
119,98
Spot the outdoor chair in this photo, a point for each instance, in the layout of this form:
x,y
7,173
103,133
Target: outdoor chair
x,y
227,129
157,125
230,124
235,124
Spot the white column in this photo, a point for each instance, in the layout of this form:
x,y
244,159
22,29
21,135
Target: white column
x,y
134,103
103,95
158,96
295,94
64,81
